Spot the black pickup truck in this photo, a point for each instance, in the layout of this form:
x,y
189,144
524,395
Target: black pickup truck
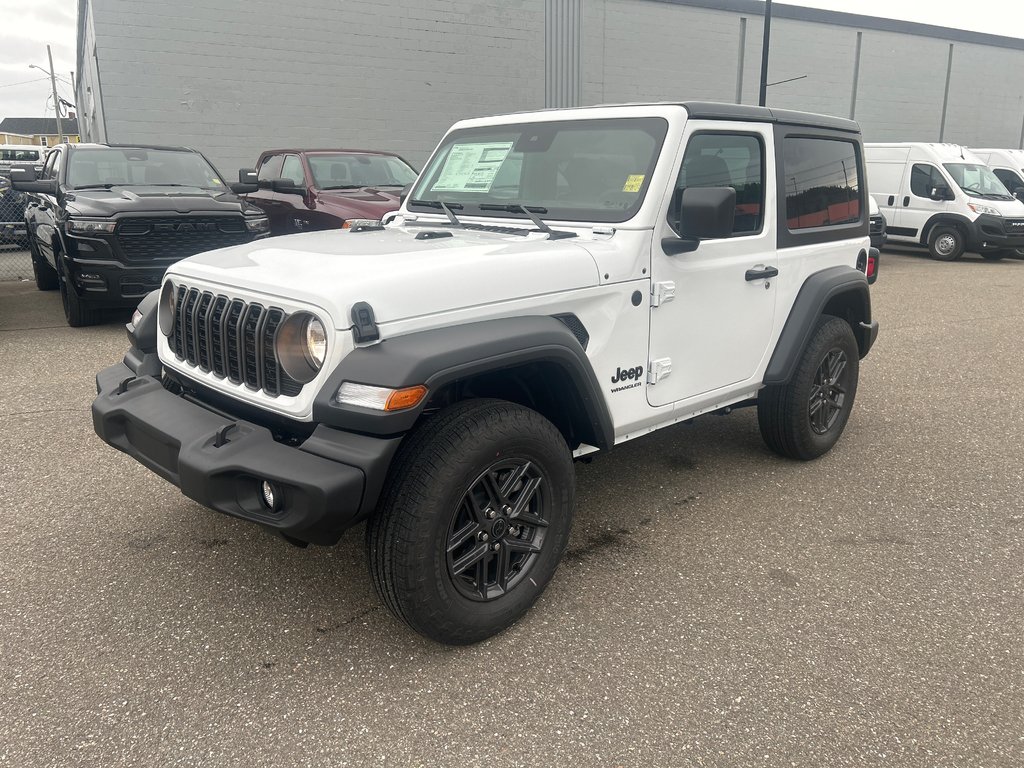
x,y
104,221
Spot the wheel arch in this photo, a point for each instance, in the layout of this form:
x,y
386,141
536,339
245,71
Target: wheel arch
x,y
841,291
965,225
535,361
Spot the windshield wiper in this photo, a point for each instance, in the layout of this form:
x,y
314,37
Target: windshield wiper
x,y
98,186
446,207
530,211
344,186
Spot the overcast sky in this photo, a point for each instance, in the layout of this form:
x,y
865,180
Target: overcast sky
x,y
26,26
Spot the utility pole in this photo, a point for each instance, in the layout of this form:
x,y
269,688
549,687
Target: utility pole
x,y
764,51
56,101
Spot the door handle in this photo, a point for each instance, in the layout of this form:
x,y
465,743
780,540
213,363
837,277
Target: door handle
x,y
906,201
892,199
760,272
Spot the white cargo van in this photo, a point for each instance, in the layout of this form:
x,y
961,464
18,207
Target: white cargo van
x,y
944,197
1007,164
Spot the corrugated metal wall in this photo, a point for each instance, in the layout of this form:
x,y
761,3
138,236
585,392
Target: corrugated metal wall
x,y
563,76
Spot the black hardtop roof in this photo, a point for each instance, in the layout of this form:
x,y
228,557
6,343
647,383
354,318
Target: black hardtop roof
x,y
712,110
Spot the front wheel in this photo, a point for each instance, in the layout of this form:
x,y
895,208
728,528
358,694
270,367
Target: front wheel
x,y
474,520
804,418
76,313
946,243
45,275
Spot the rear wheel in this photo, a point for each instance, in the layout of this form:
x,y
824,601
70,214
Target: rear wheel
x,y
77,314
473,522
45,275
804,418
946,243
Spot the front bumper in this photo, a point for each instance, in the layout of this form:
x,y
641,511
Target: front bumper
x,y
990,233
326,483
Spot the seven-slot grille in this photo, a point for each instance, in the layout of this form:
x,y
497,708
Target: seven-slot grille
x,y
232,339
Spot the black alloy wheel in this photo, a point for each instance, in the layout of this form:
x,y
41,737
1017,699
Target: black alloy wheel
x,y
498,530
828,393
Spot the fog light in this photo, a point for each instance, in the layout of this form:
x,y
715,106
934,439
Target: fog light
x,y
270,496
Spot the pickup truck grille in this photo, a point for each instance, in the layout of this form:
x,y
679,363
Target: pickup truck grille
x,y
141,239
231,338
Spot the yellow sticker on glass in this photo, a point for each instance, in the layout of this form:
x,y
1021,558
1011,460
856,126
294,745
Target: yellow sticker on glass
x,y
633,183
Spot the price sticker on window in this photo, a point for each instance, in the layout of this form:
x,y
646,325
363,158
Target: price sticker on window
x,y
633,182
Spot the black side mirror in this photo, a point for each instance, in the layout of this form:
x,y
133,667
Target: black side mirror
x,y
287,187
248,181
704,213
24,180
942,193
404,194
1019,193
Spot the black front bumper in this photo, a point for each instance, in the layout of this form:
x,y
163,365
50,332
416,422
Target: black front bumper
x,y
325,484
995,233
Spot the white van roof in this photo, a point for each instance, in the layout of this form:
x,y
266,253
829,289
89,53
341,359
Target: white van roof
x,y
920,150
1009,158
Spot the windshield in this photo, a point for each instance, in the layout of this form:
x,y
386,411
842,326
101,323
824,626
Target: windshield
x,y
139,167
572,170
977,180
348,171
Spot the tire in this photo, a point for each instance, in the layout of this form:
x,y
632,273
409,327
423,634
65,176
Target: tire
x,y
75,312
45,275
435,518
946,243
803,419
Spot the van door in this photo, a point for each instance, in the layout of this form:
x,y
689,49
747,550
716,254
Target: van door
x,y
714,316
917,206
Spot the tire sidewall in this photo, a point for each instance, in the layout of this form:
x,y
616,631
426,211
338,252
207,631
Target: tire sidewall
x,y
938,232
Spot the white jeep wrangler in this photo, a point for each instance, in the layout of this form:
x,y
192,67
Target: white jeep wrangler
x,y
554,284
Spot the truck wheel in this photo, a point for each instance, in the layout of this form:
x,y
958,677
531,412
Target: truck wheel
x,y
77,315
946,243
804,418
474,520
45,275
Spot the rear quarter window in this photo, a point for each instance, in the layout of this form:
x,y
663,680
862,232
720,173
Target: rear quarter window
x,y
822,182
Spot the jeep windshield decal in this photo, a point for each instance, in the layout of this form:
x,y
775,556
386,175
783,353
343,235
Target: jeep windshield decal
x,y
578,170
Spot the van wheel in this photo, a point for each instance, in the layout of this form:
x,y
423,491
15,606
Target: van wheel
x,y
946,243
474,520
75,312
45,275
804,418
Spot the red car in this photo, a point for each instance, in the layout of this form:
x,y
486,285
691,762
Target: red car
x,y
303,190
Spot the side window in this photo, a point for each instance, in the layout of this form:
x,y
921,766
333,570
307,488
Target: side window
x,y
725,160
51,168
292,169
1010,179
822,182
924,178
271,168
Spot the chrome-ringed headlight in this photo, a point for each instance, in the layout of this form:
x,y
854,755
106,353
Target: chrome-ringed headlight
x,y
302,346
166,307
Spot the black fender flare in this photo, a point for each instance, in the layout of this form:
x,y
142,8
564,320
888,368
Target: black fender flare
x,y
843,283
440,356
949,218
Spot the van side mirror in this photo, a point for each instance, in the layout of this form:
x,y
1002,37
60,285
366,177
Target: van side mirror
x,y
1019,193
942,193
248,181
703,213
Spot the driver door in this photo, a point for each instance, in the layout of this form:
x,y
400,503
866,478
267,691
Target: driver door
x,y
717,327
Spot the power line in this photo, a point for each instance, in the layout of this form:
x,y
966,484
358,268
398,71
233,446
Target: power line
x,y
23,82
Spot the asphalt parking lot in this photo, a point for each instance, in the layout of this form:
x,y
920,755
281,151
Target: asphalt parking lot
x,y
719,606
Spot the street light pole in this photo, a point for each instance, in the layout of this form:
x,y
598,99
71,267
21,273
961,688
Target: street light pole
x,y
764,52
56,102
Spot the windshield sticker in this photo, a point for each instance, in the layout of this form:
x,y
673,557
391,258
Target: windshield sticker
x,y
472,167
633,183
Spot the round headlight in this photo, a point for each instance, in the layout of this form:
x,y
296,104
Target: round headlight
x,y
302,346
165,310
316,342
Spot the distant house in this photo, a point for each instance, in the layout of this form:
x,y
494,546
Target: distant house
x,y
41,131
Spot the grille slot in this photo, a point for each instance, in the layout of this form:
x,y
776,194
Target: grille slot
x,y
231,339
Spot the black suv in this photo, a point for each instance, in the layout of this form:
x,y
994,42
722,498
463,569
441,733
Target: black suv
x,y
105,221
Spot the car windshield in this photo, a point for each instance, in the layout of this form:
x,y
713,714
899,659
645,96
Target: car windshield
x,y
569,170
140,167
977,180
350,171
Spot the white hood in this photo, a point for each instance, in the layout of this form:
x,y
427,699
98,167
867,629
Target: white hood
x,y
398,275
